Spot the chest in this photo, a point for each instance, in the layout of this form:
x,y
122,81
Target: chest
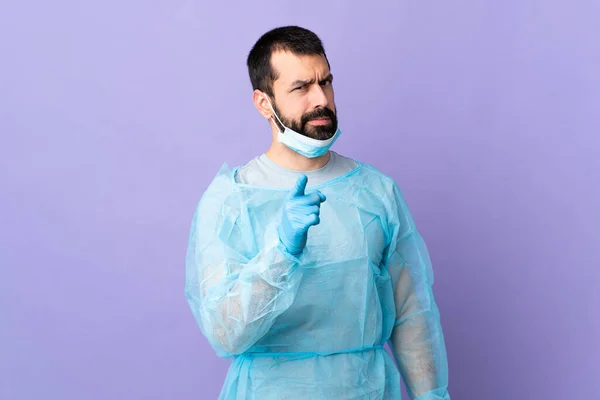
x,y
347,232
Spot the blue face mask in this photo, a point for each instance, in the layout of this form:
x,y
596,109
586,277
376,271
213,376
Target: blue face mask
x,y
301,144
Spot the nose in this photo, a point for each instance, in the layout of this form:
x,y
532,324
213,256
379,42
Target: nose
x,y
318,97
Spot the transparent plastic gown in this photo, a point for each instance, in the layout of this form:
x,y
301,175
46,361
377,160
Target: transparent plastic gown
x,y
314,327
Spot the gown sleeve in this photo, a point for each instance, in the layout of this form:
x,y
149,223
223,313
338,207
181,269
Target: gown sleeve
x,y
417,340
235,289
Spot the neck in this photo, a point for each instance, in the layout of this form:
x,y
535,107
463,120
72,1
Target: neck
x,y
287,158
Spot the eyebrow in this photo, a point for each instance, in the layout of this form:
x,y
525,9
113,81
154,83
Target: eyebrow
x,y
300,82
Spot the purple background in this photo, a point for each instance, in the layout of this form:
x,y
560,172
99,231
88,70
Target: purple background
x,y
114,117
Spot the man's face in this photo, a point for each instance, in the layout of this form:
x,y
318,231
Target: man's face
x,y
303,93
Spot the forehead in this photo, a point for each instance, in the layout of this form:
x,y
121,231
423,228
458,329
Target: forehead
x,y
291,67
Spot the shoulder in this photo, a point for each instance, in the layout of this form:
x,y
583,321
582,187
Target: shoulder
x,y
243,173
219,190
385,187
378,179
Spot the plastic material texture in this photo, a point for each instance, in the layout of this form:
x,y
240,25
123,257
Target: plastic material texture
x,y
313,325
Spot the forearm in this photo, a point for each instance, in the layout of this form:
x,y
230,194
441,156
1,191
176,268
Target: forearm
x,y
419,349
236,305
417,339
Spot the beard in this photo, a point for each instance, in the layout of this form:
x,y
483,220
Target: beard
x,y
319,132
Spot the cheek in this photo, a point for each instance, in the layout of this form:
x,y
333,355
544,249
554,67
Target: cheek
x,y
298,107
330,97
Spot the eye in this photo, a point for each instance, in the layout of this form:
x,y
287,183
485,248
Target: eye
x,y
297,88
326,82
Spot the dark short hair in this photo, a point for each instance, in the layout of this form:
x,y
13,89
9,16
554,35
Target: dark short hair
x,y
297,40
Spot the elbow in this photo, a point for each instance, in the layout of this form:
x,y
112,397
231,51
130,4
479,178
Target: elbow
x,y
223,341
229,342
229,336
224,326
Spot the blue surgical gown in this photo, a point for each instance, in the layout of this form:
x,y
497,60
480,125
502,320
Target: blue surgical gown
x,y
315,326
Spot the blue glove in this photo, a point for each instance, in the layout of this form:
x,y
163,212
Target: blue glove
x,y
300,212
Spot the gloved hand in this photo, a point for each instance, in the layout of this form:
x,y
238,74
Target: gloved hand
x,y
300,212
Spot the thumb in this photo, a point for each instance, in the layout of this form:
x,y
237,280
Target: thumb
x,y
298,189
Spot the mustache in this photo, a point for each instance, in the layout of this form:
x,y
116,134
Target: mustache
x,y
318,113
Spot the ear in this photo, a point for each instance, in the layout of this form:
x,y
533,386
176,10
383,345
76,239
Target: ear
x,y
262,104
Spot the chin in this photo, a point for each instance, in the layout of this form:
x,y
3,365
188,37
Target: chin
x,y
320,135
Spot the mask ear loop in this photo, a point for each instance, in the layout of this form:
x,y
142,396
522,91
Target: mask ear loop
x,y
275,114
